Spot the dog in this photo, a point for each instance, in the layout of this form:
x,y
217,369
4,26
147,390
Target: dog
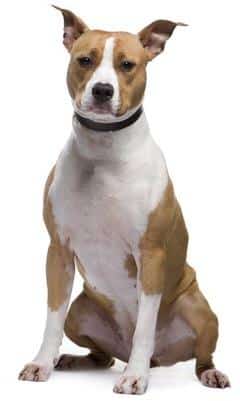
x,y
111,213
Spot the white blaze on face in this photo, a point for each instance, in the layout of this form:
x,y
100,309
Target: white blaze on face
x,y
106,74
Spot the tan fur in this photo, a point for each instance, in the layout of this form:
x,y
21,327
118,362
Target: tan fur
x,y
96,359
90,44
131,83
102,300
87,320
72,328
59,256
127,47
153,271
187,304
139,49
130,266
194,308
163,247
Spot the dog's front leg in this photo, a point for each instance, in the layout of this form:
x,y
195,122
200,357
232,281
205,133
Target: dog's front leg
x,y
134,379
60,275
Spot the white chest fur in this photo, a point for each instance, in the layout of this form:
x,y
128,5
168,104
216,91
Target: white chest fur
x,y
103,191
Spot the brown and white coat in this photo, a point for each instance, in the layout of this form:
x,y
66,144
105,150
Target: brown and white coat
x,y
111,211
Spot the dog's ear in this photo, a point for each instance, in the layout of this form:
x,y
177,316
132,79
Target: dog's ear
x,y
155,35
73,27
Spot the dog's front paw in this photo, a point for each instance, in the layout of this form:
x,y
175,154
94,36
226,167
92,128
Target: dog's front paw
x,y
35,372
131,384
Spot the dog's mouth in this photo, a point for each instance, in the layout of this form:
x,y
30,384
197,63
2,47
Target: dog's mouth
x,y
99,112
101,108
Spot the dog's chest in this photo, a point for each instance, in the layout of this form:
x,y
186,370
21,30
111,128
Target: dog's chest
x,y
96,206
102,211
103,217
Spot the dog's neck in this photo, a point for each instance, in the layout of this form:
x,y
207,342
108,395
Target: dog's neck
x,y
118,146
115,125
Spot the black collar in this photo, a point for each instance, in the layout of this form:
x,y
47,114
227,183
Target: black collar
x,y
114,126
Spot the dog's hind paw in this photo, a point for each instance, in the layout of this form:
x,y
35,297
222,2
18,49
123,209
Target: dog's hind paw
x,y
92,360
214,378
36,373
131,385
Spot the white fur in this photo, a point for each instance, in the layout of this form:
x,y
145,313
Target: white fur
x,y
144,336
52,336
135,377
105,186
105,73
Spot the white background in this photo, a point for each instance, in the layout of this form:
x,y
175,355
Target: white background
x,y
192,104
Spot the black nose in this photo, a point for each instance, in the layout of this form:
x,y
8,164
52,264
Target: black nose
x,y
102,92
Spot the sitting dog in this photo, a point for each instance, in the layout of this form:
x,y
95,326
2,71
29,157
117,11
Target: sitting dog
x,y
111,211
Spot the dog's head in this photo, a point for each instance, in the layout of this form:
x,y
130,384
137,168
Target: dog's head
x,y
107,70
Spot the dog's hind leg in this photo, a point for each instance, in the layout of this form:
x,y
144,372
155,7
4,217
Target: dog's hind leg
x,y
96,358
194,308
88,326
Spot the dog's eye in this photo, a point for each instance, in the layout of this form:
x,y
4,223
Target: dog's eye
x,y
85,61
127,65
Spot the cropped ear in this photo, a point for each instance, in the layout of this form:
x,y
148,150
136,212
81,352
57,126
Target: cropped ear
x,y
155,35
73,27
